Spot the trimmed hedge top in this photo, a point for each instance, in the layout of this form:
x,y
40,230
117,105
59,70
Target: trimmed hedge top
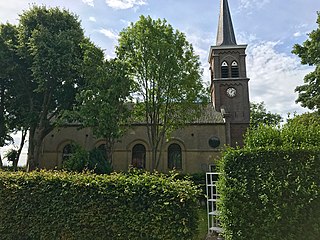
x,y
60,205
271,193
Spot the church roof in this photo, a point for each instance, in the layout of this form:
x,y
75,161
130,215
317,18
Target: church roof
x,y
209,115
225,35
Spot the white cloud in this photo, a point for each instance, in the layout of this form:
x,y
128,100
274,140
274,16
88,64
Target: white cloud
x,y
109,33
109,56
297,34
253,4
9,10
125,4
125,22
274,76
301,30
201,42
89,2
92,19
245,38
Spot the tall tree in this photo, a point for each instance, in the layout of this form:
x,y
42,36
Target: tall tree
x,y
49,45
10,117
167,76
13,108
101,103
4,85
260,115
309,52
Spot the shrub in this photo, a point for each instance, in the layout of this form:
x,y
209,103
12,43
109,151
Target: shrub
x,y
61,205
263,135
199,179
98,162
271,193
271,188
300,131
82,160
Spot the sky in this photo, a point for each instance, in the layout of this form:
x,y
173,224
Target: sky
x,y
269,27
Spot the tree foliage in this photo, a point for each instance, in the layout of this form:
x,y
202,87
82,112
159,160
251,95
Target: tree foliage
x,y
299,131
4,85
49,69
13,110
167,76
12,156
302,130
7,53
260,115
49,46
102,102
309,52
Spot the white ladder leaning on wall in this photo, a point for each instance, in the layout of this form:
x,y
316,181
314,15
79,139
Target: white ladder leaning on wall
x,y
212,200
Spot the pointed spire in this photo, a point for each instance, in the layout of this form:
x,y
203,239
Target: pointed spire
x,y
225,35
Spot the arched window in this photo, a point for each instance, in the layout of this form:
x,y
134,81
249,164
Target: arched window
x,y
139,156
174,157
102,147
234,70
67,152
224,70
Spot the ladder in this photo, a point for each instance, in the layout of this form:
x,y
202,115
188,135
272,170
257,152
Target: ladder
x,y
212,200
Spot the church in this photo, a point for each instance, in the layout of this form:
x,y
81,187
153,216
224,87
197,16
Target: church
x,y
193,148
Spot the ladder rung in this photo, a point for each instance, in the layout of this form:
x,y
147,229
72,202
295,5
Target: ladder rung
x,y
211,185
214,213
213,200
216,229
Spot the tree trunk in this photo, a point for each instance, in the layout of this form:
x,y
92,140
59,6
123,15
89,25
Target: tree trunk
x,y
153,158
15,164
23,138
30,159
1,164
109,150
2,123
153,141
160,146
39,132
35,140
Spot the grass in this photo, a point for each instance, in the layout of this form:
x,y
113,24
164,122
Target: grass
x,y
203,224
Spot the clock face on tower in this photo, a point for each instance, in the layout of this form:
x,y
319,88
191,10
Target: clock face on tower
x,y
231,92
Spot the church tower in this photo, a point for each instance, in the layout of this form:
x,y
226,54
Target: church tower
x,y
229,82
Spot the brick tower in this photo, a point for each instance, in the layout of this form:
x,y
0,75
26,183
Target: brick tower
x,y
229,82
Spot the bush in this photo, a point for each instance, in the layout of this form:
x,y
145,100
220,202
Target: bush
x,y
199,179
300,131
271,193
60,205
271,188
263,135
81,160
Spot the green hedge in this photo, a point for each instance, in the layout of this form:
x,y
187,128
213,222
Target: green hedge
x,y
199,179
60,205
271,194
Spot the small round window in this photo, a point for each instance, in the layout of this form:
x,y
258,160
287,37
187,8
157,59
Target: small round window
x,y
214,142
